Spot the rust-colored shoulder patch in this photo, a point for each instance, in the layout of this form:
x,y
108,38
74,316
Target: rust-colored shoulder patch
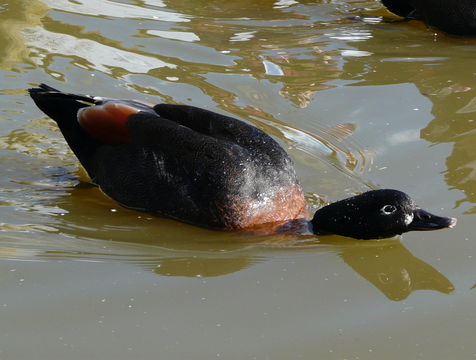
x,y
107,122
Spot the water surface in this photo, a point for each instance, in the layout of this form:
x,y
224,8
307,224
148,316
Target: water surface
x,y
359,101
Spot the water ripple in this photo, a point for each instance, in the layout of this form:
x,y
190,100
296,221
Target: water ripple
x,y
116,9
99,56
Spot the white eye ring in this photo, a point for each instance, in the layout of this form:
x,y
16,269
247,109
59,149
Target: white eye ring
x,y
388,209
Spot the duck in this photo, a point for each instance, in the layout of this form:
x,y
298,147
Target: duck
x,y
456,17
210,170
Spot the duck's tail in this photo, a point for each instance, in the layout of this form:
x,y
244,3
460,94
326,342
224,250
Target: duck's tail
x,y
63,109
58,105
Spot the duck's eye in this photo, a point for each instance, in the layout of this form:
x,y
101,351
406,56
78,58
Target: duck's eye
x,y
388,209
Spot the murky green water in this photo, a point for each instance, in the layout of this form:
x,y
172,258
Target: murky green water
x,y
358,103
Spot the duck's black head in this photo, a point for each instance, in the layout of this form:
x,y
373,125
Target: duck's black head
x,y
376,214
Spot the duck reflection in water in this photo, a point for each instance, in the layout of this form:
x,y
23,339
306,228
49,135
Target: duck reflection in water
x,y
169,248
392,268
